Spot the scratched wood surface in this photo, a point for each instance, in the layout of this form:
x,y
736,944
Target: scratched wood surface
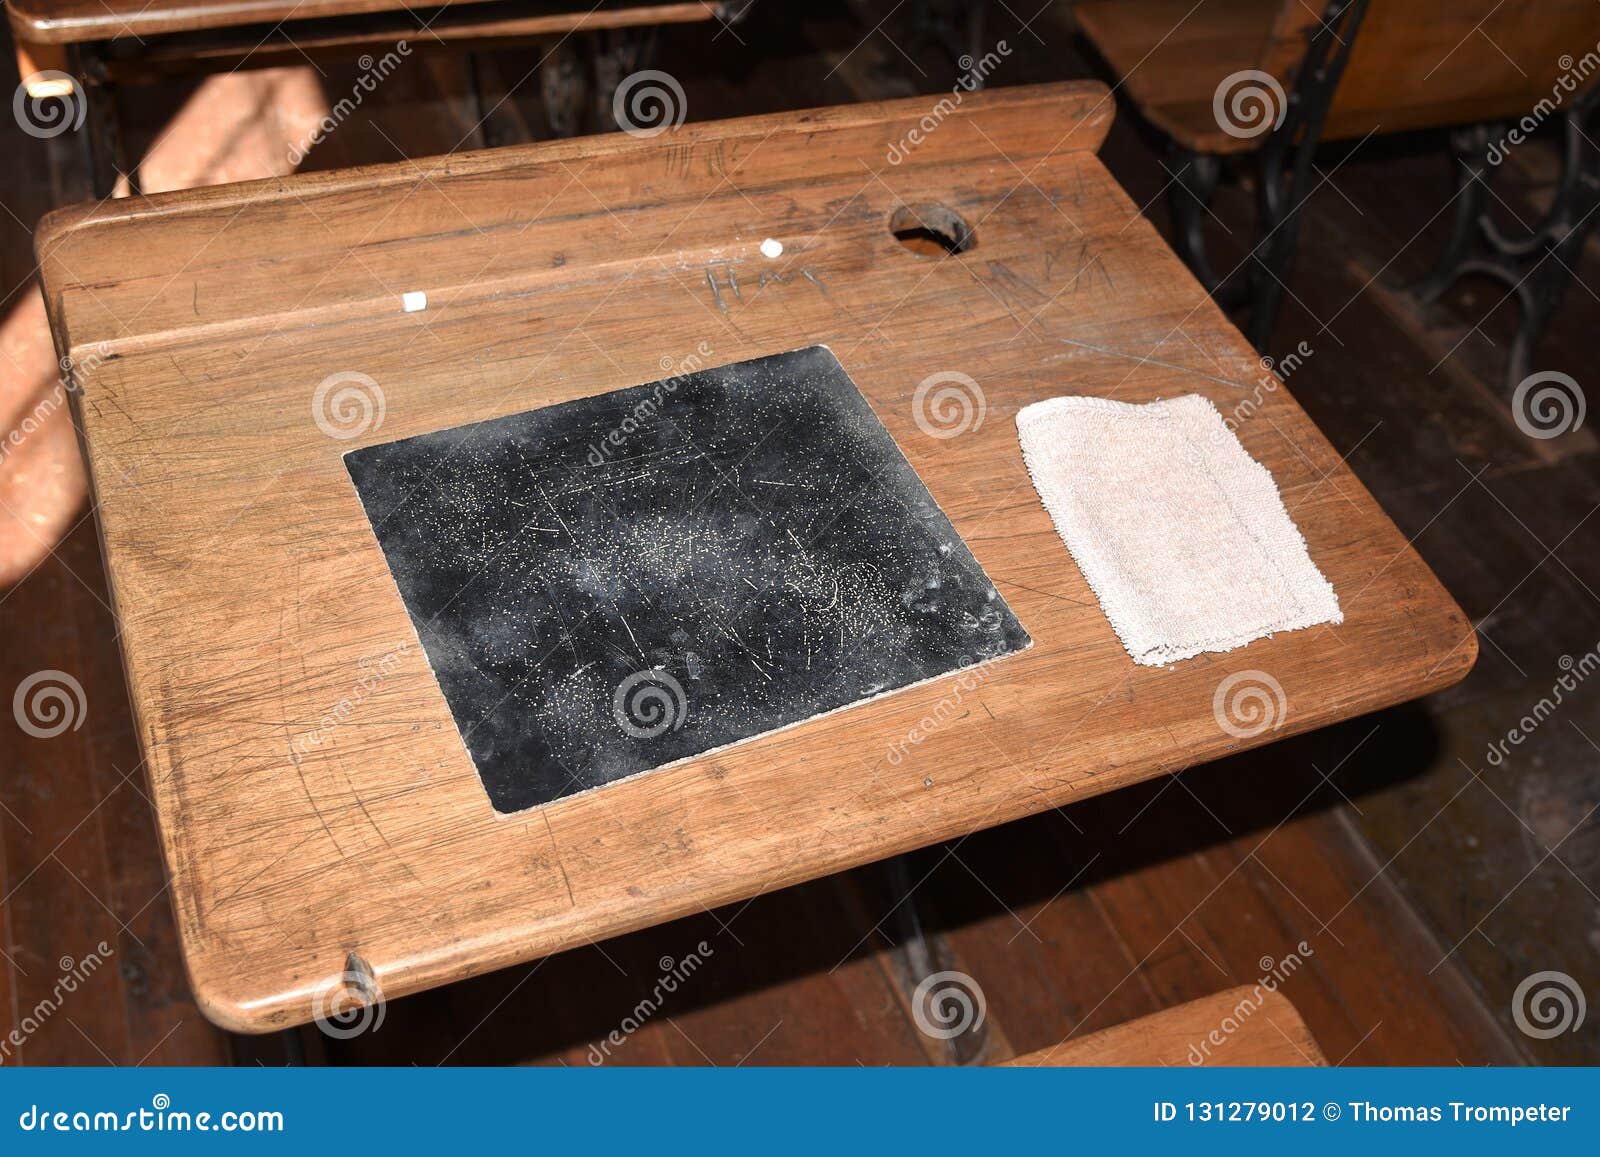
x,y
257,611
76,21
1413,65
1243,1026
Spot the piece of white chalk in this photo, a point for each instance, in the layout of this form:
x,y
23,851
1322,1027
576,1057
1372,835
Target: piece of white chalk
x,y
772,248
414,301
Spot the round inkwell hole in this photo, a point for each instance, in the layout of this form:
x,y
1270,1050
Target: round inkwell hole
x,y
931,230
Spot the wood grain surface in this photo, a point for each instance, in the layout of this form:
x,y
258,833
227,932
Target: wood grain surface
x,y
76,21
1240,1027
255,605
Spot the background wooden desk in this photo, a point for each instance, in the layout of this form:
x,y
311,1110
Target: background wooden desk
x,y
105,44
250,590
76,21
1356,70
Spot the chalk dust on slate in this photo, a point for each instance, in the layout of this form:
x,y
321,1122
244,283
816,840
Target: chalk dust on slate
x,y
619,582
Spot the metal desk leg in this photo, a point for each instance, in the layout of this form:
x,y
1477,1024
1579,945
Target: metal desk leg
x,y
1537,267
1284,164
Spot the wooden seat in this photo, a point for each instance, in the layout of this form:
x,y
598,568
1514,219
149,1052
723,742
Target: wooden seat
x,y
1242,1026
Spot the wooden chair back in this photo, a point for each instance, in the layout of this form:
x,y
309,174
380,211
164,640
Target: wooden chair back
x,y
1428,63
1414,64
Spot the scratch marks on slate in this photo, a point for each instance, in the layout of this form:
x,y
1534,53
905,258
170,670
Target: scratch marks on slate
x,y
739,549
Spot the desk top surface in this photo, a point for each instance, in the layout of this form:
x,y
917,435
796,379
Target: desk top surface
x,y
257,610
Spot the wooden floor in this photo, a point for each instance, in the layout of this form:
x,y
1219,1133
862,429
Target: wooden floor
x,y
1393,883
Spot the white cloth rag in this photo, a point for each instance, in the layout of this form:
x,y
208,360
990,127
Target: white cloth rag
x,y
1180,533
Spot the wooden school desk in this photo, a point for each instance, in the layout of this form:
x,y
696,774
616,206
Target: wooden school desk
x,y
105,43
100,21
255,602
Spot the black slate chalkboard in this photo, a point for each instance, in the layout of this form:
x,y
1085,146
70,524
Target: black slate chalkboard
x,y
615,583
